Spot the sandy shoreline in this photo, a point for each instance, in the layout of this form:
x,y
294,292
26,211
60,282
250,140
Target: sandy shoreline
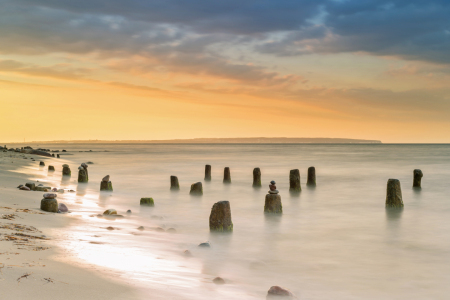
x,y
35,268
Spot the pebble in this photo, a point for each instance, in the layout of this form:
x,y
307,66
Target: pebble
x,y
129,211
172,230
205,245
219,280
141,228
50,196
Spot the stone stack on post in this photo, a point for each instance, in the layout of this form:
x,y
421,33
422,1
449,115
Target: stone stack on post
x,y
417,182
49,203
196,189
294,181
41,164
82,173
174,184
256,178
394,194
66,170
273,200
226,175
220,217
311,176
106,185
207,172
51,168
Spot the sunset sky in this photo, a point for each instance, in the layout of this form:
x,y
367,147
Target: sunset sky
x,y
166,69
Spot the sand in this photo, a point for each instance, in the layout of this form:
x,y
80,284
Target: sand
x,y
36,268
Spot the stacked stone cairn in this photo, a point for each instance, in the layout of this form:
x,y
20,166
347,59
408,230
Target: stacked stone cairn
x,y
66,170
196,189
174,184
256,178
273,200
394,194
220,217
417,182
106,185
49,203
83,173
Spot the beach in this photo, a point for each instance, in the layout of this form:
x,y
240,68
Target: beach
x,y
314,248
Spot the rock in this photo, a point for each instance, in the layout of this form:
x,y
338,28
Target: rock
x,y
417,182
40,184
218,280
25,188
141,228
159,229
172,230
226,175
90,163
42,188
51,168
128,211
41,153
279,292
60,191
294,181
64,150
187,253
110,212
62,208
20,185
66,170
205,245
84,165
256,177
207,172
31,185
196,189
174,185
273,204
220,217
110,228
50,205
41,163
147,201
106,186
273,188
311,177
394,194
50,196
106,178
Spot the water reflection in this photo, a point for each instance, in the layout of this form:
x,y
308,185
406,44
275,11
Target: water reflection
x,y
65,180
81,189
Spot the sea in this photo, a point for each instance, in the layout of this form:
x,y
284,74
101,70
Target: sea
x,y
333,241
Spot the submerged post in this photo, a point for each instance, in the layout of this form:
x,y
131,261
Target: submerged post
x,y
311,176
207,172
105,184
196,189
256,177
273,200
220,217
41,164
394,193
51,168
174,185
417,178
294,181
226,175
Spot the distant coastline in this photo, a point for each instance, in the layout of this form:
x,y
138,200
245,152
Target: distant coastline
x,y
259,140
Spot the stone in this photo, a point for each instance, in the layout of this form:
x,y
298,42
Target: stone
x,y
50,205
110,228
273,188
196,189
54,189
66,170
174,185
64,150
129,211
311,177
25,188
187,253
51,168
84,165
90,163
294,181
417,182
256,177
394,194
277,291
31,185
20,185
147,201
207,172
205,245
60,190
106,186
273,204
172,230
50,196
141,228
82,174
110,212
159,229
41,163
226,175
62,208
220,217
106,178
219,280
42,188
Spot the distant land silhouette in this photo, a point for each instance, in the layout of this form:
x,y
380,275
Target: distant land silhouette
x,y
253,140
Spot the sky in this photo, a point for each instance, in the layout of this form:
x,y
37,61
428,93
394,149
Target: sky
x,y
153,69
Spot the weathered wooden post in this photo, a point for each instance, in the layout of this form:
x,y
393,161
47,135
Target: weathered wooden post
x,y
51,168
207,172
105,184
311,177
66,170
256,177
174,185
394,194
220,217
417,178
294,181
196,189
226,175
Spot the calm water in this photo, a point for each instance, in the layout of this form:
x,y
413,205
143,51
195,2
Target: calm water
x,y
336,241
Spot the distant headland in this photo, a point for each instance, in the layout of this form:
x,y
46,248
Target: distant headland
x,y
252,140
